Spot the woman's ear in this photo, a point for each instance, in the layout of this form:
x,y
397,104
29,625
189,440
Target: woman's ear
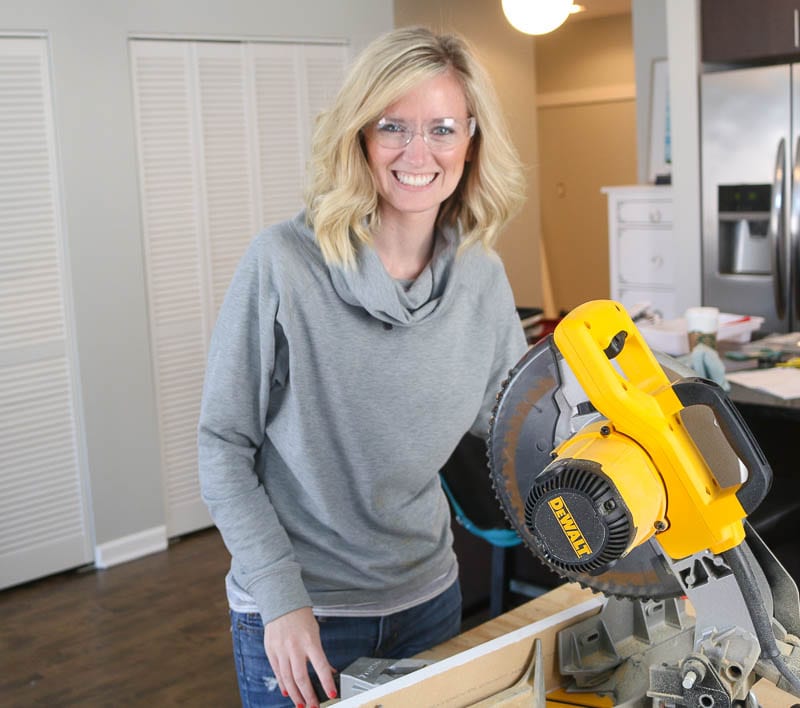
x,y
472,148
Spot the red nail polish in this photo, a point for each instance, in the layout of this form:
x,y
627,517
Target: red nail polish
x,y
285,694
332,693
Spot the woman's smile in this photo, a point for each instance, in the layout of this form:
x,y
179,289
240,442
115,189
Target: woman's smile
x,y
410,179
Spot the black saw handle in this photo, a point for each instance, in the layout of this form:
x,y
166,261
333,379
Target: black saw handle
x,y
695,391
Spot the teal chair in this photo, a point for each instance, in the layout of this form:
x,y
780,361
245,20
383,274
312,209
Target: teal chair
x,y
466,482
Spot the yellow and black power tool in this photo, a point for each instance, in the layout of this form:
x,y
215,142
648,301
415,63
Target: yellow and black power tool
x,y
624,472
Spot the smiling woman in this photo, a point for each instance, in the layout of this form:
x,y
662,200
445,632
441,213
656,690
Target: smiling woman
x,y
356,346
342,198
414,171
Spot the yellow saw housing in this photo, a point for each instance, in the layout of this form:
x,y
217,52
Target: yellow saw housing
x,y
631,470
645,449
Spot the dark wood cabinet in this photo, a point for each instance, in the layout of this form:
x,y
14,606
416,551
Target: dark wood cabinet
x,y
750,31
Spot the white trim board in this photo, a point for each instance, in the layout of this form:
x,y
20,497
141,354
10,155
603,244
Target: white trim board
x,y
373,697
131,547
597,94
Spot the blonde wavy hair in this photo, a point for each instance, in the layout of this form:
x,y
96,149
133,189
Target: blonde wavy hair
x,y
342,200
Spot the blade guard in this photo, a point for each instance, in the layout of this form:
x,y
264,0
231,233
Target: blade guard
x,y
623,380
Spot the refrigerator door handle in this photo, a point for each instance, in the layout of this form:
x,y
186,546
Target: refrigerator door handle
x,y
794,230
777,230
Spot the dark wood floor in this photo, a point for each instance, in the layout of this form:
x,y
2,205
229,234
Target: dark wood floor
x,y
152,632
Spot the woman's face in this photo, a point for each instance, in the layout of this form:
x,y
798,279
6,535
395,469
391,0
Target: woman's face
x,y
416,178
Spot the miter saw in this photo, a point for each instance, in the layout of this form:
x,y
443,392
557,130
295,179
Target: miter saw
x,y
622,471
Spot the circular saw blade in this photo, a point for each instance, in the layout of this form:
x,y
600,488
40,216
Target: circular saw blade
x,y
539,406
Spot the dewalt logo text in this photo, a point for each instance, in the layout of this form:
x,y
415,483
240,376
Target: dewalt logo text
x,y
562,513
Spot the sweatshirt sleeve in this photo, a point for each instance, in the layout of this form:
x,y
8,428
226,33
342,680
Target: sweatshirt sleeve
x,y
510,345
231,430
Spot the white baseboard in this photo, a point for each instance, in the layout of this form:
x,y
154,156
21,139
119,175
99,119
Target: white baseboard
x,y
128,548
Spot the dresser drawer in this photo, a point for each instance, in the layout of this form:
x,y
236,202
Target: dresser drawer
x,y
646,257
662,301
644,212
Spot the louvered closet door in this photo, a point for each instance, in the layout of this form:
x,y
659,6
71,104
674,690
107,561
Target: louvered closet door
x,y
323,69
170,157
293,83
223,131
229,160
43,516
198,180
281,129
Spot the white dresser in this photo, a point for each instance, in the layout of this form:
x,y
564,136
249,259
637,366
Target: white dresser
x,y
644,260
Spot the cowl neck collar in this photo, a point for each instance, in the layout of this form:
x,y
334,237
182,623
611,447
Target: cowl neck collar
x,y
369,285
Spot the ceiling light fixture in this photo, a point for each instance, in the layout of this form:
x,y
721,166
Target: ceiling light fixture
x,y
537,16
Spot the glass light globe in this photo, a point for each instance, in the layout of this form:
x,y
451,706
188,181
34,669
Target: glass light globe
x,y
536,16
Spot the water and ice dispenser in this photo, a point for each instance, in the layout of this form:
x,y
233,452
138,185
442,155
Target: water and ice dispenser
x,y
743,211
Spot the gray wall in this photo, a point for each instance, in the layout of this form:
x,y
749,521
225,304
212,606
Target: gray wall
x,y
671,30
649,43
94,122
683,52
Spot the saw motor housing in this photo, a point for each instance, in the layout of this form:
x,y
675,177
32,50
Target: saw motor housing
x,y
598,499
593,456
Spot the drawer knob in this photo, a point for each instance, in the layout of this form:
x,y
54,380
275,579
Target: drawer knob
x,y
655,216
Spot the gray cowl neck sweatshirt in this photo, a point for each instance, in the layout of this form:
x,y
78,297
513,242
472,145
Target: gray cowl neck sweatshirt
x,y
332,398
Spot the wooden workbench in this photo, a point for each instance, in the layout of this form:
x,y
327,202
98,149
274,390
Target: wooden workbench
x,y
567,595
464,653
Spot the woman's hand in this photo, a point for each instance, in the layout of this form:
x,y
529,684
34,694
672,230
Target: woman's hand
x,y
291,641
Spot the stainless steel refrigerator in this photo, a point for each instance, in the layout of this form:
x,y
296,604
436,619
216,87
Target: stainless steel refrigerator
x,y
750,122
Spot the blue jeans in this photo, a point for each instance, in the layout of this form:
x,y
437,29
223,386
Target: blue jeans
x,y
344,639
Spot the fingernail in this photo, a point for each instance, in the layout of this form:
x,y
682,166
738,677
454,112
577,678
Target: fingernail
x,y
285,694
332,693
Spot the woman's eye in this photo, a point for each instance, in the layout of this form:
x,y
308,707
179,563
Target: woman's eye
x,y
442,130
386,127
